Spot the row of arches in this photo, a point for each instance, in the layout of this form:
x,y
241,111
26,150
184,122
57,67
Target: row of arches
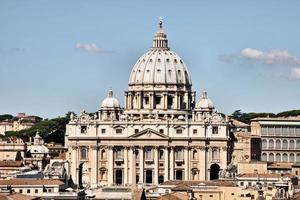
x,y
280,157
280,144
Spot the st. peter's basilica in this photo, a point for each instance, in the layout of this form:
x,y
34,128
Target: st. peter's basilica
x,y
162,133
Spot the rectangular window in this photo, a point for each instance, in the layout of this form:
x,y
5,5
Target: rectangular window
x,y
215,130
158,99
242,183
194,131
179,131
83,129
118,154
103,130
146,100
161,131
148,154
119,131
28,191
36,191
136,130
20,191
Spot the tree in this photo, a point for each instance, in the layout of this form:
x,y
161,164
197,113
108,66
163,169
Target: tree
x,y
19,156
6,117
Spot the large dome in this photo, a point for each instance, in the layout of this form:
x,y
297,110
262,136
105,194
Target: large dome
x,y
160,65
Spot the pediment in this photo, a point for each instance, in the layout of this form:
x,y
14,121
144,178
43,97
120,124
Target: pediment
x,y
149,134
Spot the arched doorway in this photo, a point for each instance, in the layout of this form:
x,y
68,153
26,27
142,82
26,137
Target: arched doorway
x,y
214,171
80,168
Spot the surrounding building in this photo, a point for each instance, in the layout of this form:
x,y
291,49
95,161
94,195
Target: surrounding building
x,y
161,134
19,122
280,138
10,147
39,153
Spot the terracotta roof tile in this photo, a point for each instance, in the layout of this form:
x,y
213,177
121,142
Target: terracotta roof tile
x,y
174,196
207,183
11,163
255,175
31,182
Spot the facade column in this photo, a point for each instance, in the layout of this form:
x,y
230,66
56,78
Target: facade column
x,y
166,157
141,153
125,166
132,168
110,172
73,164
172,163
94,167
186,163
156,171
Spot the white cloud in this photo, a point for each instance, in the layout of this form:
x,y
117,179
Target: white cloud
x,y
270,57
92,48
295,73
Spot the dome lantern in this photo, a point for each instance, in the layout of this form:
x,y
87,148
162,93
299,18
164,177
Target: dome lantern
x,y
160,40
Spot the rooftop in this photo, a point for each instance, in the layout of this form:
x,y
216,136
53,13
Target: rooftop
x,y
255,175
174,196
203,183
30,182
11,163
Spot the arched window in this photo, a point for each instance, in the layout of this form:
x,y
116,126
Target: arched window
x,y
271,157
195,155
298,144
292,157
292,144
264,157
83,154
271,144
298,157
278,157
285,157
103,154
264,143
284,144
278,145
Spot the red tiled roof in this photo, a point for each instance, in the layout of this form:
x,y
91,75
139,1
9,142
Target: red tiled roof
x,y
273,175
204,183
31,182
174,196
11,163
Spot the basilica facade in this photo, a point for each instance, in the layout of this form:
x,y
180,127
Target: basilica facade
x,y
162,133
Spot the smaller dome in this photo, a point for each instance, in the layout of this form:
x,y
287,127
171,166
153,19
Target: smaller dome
x,y
110,101
205,103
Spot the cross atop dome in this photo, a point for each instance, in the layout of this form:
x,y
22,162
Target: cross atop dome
x,y
160,22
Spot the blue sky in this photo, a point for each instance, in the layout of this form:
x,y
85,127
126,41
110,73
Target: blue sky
x,y
60,56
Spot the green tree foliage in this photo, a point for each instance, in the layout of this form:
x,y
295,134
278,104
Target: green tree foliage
x,y
52,130
247,117
19,156
6,117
